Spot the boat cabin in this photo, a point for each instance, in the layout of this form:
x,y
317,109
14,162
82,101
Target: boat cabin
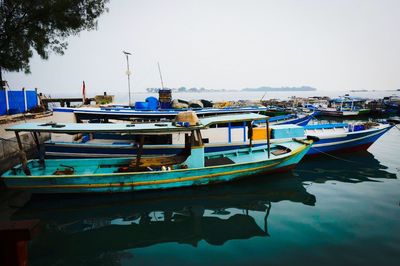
x,y
347,103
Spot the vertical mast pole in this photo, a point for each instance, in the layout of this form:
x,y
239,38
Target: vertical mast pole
x,y
128,72
159,71
129,79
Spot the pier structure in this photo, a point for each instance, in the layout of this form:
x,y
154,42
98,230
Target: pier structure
x,y
63,101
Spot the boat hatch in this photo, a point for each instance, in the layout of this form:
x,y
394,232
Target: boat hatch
x,y
280,151
218,161
66,170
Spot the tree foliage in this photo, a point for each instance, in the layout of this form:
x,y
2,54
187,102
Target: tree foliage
x,y
43,26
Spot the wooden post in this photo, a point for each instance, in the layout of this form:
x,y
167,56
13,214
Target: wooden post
x,y
268,138
22,155
199,138
7,100
37,97
14,237
140,150
25,100
250,133
36,139
40,152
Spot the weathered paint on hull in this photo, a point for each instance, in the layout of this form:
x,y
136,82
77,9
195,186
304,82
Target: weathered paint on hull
x,y
128,182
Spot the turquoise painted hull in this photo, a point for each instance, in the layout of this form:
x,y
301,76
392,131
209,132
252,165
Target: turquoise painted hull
x,y
92,175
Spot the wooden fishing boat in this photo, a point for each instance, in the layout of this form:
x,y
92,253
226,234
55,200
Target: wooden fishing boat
x,y
127,113
392,104
345,107
292,119
342,137
107,114
336,137
191,167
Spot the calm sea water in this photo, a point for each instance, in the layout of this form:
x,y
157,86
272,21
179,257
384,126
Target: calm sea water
x,y
329,211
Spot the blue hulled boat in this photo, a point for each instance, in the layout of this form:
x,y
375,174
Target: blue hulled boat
x,y
292,119
128,113
115,113
191,167
342,137
337,137
345,106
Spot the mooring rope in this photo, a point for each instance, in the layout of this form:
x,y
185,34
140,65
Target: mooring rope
x,y
333,156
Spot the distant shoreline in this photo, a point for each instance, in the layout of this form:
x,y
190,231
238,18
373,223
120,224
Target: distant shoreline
x,y
283,89
259,89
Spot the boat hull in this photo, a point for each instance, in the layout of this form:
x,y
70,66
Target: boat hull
x,y
301,121
353,141
336,113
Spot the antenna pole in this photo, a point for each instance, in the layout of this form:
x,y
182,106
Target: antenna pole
x,y
159,71
129,79
128,73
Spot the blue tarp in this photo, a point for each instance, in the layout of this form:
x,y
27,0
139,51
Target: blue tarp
x,y
3,108
32,100
16,101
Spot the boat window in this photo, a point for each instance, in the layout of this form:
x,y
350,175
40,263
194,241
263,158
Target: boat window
x,y
223,125
237,124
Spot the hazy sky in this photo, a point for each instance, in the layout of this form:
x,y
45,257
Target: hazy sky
x,y
227,44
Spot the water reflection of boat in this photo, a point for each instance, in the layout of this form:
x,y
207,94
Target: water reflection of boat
x,y
359,167
110,223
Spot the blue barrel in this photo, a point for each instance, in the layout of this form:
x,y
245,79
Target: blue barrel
x,y
165,105
141,105
165,98
152,103
359,127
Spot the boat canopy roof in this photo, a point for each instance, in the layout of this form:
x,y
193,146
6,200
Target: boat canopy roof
x,y
145,128
348,99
